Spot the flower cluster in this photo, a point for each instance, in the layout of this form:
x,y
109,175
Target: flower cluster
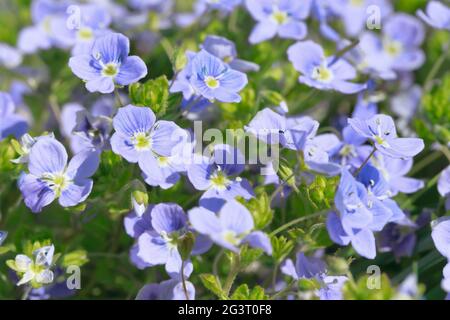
x,y
335,119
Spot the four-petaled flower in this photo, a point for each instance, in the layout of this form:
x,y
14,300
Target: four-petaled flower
x,y
50,177
108,64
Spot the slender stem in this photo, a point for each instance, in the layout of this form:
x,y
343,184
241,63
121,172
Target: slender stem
x,y
55,109
343,51
282,292
298,220
365,162
216,262
183,280
26,293
274,276
425,162
280,187
446,152
188,107
174,78
435,69
118,98
235,267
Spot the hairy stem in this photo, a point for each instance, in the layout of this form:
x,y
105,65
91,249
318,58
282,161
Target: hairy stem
x,y
235,267
298,220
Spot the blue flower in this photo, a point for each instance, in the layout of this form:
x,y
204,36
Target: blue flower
x,y
297,133
312,267
393,171
44,13
138,223
213,80
380,129
305,267
320,72
166,290
3,235
50,177
444,186
164,171
437,15
354,14
10,122
138,135
108,64
10,57
160,244
93,23
230,228
353,223
397,50
441,238
282,17
225,50
218,176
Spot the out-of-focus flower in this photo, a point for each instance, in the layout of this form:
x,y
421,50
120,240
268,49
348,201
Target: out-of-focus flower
x,y
321,72
10,122
230,228
278,17
436,15
226,50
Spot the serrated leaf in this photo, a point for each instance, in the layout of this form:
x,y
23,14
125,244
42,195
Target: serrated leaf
x,y
260,209
243,293
281,247
249,255
153,94
212,283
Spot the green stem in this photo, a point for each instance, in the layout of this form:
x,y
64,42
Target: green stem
x,y
183,280
298,220
117,94
216,262
282,292
235,267
343,51
435,69
26,293
425,162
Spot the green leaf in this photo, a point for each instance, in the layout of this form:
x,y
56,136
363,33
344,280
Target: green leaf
x,y
153,94
249,255
212,283
281,247
243,293
75,258
363,289
260,209
272,97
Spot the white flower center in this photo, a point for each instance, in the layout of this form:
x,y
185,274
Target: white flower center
x,y
212,82
110,69
322,74
231,237
85,34
141,141
58,182
393,48
279,17
219,180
